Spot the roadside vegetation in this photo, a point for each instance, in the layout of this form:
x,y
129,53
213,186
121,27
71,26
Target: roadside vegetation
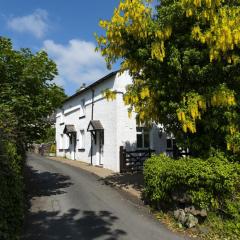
x,y
27,98
184,58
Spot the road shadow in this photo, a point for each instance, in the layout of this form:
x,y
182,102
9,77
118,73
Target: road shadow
x,y
74,225
49,224
40,184
126,180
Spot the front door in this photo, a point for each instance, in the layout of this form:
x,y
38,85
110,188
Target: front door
x,y
99,145
73,145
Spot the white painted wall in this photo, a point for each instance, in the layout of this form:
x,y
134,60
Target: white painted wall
x,y
119,129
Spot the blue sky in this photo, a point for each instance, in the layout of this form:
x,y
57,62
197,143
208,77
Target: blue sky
x,y
65,30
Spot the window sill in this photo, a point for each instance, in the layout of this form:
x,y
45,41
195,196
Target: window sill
x,y
82,117
81,149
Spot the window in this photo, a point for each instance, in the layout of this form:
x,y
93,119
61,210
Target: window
x,y
143,137
61,141
171,143
62,118
66,141
82,139
83,108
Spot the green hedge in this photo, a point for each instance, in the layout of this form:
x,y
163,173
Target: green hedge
x,y
11,192
212,184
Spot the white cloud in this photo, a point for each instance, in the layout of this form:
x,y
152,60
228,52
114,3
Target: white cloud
x,y
35,23
77,61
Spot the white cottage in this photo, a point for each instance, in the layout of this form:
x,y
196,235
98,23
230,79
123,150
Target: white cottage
x,y
91,129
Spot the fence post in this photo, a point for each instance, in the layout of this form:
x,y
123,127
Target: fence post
x,y
149,151
121,157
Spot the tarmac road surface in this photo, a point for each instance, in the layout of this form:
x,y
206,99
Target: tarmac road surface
x,y
69,203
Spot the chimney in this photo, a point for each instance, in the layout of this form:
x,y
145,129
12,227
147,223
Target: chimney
x,y
83,86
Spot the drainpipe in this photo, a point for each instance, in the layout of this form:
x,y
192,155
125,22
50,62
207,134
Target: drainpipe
x,y
91,133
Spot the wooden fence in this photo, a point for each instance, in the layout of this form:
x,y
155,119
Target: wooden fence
x,y
132,161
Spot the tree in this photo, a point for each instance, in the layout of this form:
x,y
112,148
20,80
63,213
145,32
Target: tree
x,y
184,60
26,91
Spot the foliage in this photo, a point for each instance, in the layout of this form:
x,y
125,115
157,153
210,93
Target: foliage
x,y
26,89
53,148
27,99
212,184
184,60
11,191
48,136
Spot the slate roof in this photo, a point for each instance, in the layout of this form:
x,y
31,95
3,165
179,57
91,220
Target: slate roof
x,y
69,129
92,85
96,125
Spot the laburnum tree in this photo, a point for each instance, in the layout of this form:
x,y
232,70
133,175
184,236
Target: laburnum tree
x,y
27,95
184,57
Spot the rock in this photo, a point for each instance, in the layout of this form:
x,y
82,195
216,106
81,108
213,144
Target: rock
x,y
203,213
180,216
196,212
190,220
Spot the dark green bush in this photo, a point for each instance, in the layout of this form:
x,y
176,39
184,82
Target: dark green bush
x,y
213,184
11,192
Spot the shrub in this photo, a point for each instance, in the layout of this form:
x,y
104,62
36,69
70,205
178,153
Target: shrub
x,y
213,184
11,192
53,148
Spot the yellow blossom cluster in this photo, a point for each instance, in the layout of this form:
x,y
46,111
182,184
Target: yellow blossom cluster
x,y
144,93
223,97
109,95
223,34
131,18
192,107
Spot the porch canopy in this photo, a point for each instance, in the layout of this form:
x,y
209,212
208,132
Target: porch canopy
x,y
95,126
69,129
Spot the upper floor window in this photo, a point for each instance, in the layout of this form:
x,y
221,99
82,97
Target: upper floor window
x,y
143,140
62,117
83,108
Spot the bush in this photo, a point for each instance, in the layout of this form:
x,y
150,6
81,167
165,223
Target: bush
x,y
213,184
11,192
53,148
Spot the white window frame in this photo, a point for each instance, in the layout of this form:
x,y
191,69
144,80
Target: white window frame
x,y
82,139
62,117
173,142
61,141
143,133
83,108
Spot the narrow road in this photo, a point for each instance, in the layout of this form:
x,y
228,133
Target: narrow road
x,y
68,203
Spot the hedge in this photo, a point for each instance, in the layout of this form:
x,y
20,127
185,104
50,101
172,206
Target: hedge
x,y
11,192
212,184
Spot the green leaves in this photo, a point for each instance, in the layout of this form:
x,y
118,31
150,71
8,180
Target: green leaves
x,y
26,89
209,183
173,63
27,98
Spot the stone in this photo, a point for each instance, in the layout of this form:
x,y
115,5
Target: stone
x,y
196,212
180,216
191,220
203,213
176,214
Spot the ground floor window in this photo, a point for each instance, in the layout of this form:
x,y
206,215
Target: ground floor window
x,y
82,139
171,144
143,140
61,143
